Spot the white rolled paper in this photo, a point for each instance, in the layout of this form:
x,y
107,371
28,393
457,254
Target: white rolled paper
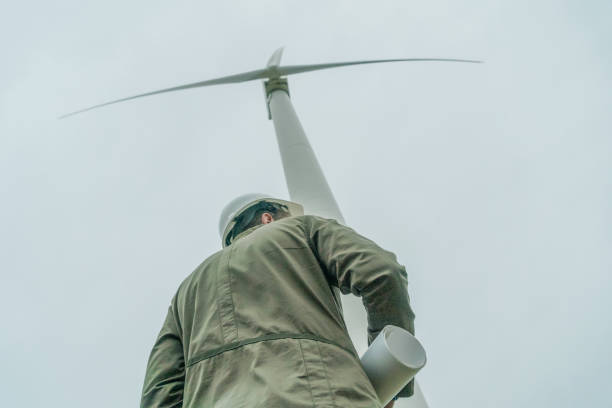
x,y
392,360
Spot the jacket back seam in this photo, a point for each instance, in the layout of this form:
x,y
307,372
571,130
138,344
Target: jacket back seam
x,y
277,336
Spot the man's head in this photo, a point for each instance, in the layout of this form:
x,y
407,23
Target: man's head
x,y
250,210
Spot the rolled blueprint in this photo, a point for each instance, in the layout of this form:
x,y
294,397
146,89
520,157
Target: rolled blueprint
x,y
392,360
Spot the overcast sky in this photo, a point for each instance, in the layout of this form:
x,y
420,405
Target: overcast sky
x,y
491,182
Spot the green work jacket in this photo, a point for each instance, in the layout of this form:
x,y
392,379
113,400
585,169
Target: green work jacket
x,y
260,324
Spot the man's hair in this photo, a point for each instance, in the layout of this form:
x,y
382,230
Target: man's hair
x,y
252,216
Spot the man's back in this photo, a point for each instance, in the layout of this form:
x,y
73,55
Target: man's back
x,y
258,324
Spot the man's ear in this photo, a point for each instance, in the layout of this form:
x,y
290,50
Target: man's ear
x,y
266,218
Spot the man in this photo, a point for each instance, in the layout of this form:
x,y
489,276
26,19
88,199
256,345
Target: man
x,y
260,324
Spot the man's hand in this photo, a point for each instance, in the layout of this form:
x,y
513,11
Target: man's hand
x,y
390,405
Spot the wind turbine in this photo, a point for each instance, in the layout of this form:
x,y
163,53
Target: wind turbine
x,y
305,179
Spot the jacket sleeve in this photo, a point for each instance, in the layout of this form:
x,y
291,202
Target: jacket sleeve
x,y
165,376
357,265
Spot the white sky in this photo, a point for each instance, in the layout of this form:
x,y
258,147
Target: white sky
x,y
491,182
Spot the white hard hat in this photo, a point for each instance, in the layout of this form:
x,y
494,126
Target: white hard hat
x,y
238,205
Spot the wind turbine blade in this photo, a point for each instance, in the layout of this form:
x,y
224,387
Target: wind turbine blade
x,y
275,59
273,70
296,69
243,77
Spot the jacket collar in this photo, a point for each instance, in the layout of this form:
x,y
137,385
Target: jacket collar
x,y
246,232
